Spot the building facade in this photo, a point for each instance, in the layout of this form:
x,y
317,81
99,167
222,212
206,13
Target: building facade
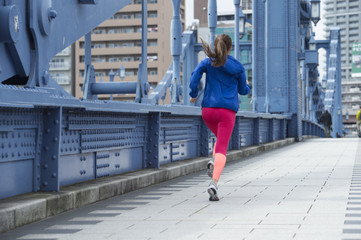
x,y
117,41
346,15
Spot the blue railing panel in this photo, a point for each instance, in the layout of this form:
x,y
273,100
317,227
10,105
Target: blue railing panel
x,y
264,127
246,126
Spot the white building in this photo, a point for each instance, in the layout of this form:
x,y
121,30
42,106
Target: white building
x,y
61,69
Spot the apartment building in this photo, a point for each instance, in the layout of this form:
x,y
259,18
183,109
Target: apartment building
x,y
61,70
117,42
346,14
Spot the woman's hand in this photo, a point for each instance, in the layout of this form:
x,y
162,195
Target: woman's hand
x,y
193,100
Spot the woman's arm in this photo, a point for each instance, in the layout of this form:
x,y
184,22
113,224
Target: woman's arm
x,y
196,77
243,87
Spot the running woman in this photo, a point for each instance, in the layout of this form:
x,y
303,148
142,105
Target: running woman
x,y
225,79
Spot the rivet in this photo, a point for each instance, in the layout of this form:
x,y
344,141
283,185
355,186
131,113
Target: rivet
x,y
55,139
56,122
45,183
54,157
46,148
48,130
45,166
53,175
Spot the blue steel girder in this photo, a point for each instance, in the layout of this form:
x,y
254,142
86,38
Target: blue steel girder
x,y
333,85
275,44
34,24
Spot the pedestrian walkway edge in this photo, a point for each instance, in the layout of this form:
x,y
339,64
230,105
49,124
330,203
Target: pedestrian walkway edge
x,y
31,207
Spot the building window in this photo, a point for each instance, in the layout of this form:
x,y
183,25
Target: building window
x,y
99,31
153,71
127,16
129,73
127,30
152,15
127,44
113,45
100,73
113,30
152,43
128,59
152,58
115,16
152,29
98,59
98,45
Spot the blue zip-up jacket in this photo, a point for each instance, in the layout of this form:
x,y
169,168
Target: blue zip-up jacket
x,y
222,83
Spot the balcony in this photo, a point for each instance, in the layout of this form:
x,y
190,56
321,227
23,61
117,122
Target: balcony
x,y
62,80
59,66
65,52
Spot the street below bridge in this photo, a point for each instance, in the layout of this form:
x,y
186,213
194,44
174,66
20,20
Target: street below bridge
x,y
306,190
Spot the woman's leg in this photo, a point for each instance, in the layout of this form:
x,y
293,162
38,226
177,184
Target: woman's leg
x,y
221,122
225,128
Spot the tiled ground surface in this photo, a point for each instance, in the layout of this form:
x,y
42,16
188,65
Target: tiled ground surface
x,y
308,190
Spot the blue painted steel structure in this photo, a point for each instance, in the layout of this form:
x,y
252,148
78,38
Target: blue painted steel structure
x,y
49,139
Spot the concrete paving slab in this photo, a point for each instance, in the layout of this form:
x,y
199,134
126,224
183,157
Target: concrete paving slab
x,y
288,193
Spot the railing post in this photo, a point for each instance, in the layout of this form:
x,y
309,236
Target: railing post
x,y
212,19
49,162
283,126
152,154
176,51
256,133
235,138
271,130
204,138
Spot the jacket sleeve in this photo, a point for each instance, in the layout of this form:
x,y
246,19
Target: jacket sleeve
x,y
196,77
243,87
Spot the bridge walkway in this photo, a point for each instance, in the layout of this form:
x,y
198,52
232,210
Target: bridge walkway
x,y
307,190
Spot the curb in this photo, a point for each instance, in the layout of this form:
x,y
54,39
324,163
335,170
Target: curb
x,y
31,207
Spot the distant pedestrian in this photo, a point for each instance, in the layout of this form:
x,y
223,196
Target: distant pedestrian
x,y
326,120
225,79
358,121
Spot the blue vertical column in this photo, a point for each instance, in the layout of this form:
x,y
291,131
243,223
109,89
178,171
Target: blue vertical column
x,y
152,153
256,131
212,19
50,154
236,29
176,49
235,138
338,128
275,44
204,138
189,62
